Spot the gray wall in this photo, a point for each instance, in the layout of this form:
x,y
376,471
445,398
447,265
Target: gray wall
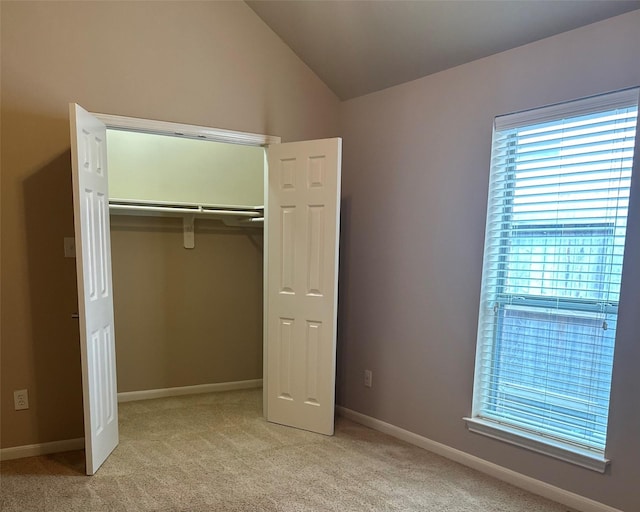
x,y
415,177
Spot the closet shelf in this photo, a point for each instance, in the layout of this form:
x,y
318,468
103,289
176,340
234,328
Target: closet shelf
x,y
231,215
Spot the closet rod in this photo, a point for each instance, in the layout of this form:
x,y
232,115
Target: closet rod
x,y
116,208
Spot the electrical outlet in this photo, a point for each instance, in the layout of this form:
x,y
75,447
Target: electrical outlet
x,y
368,378
21,399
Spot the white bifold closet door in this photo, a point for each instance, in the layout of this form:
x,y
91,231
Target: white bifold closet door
x,y
301,274
302,255
95,297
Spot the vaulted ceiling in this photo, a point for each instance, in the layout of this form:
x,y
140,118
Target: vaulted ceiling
x,y
360,46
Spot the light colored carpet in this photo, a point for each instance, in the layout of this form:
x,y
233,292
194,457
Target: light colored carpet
x,y
215,452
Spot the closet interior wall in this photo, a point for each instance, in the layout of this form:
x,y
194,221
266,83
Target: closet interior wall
x,y
185,316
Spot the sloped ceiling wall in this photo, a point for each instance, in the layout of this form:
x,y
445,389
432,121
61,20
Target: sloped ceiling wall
x,y
358,47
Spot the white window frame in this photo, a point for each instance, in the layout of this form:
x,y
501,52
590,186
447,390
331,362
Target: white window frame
x,y
591,459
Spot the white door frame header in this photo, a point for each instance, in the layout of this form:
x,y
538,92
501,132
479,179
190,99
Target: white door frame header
x,y
187,131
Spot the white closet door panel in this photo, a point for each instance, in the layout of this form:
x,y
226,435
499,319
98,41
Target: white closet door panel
x,y
95,298
302,265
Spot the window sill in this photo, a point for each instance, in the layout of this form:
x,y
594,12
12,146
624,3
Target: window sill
x,y
565,452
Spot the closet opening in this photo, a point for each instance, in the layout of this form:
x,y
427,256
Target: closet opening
x,y
202,295
187,246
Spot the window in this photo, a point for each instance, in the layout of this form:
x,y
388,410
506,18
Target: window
x,y
556,224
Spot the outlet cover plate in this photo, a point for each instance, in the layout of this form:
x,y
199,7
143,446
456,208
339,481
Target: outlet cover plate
x,y
368,378
21,399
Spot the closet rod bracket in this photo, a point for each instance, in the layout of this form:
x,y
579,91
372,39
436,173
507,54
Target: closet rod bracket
x,y
188,231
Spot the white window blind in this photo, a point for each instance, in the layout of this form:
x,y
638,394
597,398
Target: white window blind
x,y
555,233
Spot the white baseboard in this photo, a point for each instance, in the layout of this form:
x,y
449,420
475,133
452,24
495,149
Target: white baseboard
x,y
32,450
506,475
148,394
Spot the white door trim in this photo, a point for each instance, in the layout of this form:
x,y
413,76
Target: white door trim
x,y
187,131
